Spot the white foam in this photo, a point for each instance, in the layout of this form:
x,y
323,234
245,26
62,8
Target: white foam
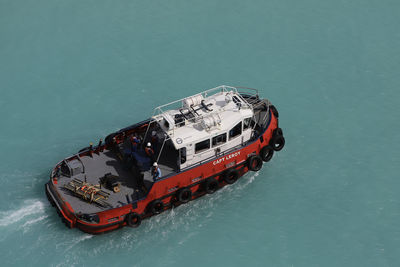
x,y
41,218
78,240
29,208
250,179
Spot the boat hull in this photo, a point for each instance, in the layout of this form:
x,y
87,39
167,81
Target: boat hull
x,y
166,189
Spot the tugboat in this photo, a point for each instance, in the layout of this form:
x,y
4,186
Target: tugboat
x,y
186,149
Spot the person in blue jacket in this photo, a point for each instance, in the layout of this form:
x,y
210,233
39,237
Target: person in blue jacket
x,y
155,172
135,142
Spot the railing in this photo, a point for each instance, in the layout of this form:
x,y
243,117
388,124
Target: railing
x,y
223,88
250,93
178,104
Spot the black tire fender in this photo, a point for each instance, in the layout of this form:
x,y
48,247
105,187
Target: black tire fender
x,y
255,163
133,219
109,139
274,111
184,195
211,185
156,206
231,176
278,142
266,153
278,131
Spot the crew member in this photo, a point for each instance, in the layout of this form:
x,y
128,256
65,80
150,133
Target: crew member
x,y
150,152
134,143
155,172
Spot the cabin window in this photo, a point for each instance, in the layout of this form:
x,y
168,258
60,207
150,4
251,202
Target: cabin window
x,y
202,146
182,153
219,139
235,131
246,123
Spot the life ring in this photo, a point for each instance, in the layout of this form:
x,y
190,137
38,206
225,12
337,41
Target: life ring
x,y
255,163
156,206
184,195
266,153
231,176
133,219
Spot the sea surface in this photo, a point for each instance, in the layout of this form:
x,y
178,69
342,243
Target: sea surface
x,y
73,71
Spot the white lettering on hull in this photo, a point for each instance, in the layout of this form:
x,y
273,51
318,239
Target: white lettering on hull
x,y
226,158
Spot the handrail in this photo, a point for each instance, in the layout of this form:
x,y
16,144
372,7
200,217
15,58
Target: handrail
x,y
79,158
248,88
158,111
159,154
223,88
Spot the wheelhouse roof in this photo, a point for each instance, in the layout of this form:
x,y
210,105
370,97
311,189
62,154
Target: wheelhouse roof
x,y
221,108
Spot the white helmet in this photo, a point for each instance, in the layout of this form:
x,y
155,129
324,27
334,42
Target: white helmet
x,y
155,164
149,144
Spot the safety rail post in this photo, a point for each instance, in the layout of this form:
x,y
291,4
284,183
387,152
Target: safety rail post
x,y
159,154
148,126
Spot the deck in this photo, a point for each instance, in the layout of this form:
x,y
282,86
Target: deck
x,y
96,167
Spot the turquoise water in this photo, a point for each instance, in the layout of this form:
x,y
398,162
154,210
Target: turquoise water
x,y
73,71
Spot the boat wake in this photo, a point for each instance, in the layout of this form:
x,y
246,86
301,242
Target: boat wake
x,y
78,240
29,208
